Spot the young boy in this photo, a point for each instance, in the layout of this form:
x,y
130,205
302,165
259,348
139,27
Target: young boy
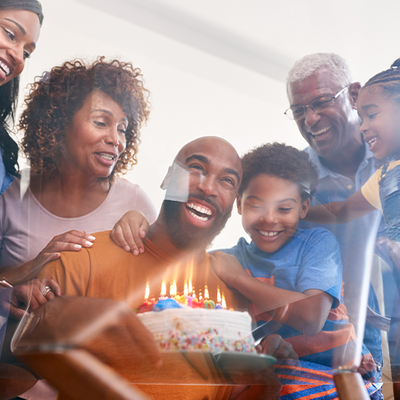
x,y
292,276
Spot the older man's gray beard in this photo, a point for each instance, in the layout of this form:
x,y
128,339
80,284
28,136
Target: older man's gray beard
x,y
190,237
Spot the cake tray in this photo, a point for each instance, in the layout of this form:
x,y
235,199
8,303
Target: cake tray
x,y
241,363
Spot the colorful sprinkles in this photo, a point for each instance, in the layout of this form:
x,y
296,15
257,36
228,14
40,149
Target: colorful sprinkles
x,y
203,341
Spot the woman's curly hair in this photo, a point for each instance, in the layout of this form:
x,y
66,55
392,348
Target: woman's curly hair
x,y
54,99
282,161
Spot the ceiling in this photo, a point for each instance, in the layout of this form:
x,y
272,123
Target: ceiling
x,y
267,36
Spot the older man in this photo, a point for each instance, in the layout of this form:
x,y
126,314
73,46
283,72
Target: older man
x,y
323,100
201,188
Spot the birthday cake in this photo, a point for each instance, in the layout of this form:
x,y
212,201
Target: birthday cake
x,y
199,329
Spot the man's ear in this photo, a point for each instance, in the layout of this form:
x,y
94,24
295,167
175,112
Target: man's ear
x,y
239,204
165,182
354,90
304,208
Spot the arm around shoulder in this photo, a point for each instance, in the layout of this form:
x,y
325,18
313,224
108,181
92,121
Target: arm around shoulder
x,y
71,271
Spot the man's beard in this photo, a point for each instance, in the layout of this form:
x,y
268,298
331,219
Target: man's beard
x,y
187,236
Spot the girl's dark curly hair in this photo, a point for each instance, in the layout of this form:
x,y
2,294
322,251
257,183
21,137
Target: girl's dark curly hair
x,y
282,161
59,94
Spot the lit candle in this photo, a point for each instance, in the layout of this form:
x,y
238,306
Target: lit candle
x,y
207,302
218,305
172,290
190,288
163,294
206,295
173,293
195,302
194,298
223,301
186,294
192,292
147,304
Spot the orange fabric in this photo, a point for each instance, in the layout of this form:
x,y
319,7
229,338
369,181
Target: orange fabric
x,y
288,389
309,370
107,271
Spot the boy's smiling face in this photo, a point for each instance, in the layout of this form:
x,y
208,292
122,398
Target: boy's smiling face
x,y
271,208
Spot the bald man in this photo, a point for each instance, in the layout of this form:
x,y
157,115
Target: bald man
x,y
201,188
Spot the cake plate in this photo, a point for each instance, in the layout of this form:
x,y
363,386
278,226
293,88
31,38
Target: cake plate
x,y
238,363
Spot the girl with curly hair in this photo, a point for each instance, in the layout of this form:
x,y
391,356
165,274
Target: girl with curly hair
x,y
20,22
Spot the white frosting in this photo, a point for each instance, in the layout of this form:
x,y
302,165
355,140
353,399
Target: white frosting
x,y
200,329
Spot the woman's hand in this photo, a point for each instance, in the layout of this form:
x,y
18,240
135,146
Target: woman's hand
x,y
68,241
71,241
130,231
226,266
28,297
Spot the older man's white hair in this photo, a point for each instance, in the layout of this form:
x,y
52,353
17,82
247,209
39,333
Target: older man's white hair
x,y
306,66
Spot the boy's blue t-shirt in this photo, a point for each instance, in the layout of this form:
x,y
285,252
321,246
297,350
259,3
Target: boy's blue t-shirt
x,y
310,260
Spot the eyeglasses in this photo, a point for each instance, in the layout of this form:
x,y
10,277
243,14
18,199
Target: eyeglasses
x,y
318,104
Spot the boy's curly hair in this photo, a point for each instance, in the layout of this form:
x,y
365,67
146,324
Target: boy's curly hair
x,y
282,161
56,97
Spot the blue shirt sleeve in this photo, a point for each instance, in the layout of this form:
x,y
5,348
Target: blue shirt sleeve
x,y
321,266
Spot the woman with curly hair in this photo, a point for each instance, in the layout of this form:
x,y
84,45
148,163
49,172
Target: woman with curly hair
x,y
20,22
81,130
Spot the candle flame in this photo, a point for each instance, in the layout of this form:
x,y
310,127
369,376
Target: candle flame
x,y
185,290
223,301
218,296
206,295
190,286
172,290
147,292
163,289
